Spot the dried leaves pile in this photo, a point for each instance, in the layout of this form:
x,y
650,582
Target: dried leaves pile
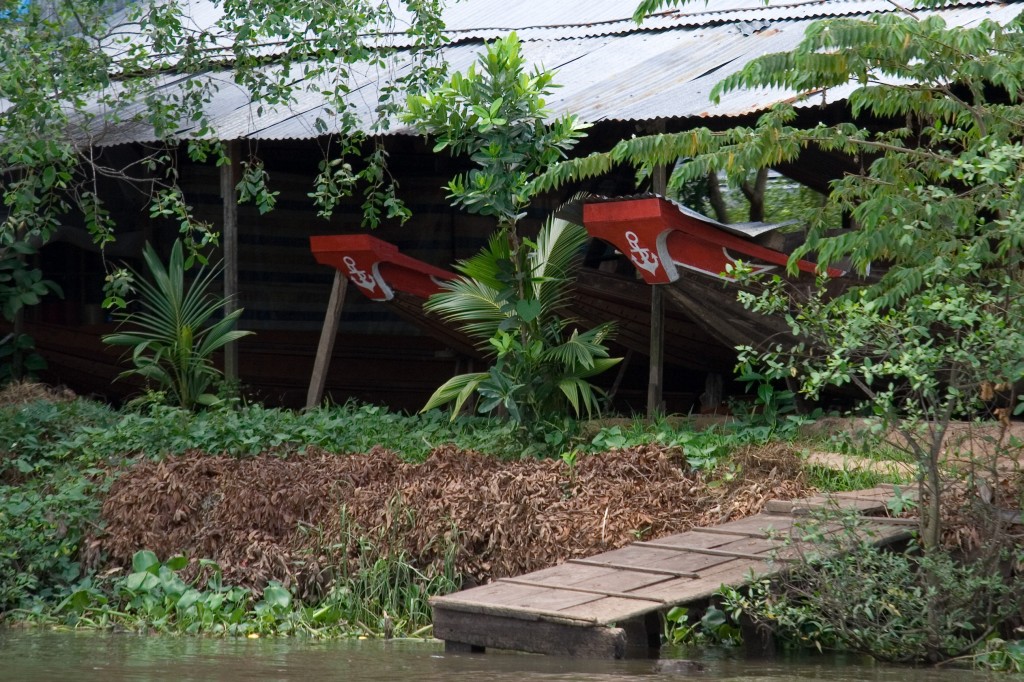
x,y
270,517
23,392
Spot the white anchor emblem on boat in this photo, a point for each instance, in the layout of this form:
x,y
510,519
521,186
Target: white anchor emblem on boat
x,y
641,257
359,277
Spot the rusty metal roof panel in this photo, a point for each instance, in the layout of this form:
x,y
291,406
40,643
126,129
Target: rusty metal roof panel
x,y
477,20
665,75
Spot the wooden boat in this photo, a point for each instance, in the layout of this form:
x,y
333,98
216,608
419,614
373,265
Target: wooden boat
x,y
382,273
669,244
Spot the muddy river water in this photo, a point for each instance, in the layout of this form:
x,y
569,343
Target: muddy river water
x,y
42,656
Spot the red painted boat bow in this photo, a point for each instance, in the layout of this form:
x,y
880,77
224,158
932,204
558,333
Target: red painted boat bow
x,y
658,237
376,267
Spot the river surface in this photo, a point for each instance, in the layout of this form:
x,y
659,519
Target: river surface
x,y
41,656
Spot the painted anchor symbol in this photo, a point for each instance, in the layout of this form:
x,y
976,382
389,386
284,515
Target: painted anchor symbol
x,y
359,277
641,257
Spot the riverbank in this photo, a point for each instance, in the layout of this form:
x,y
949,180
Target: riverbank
x,y
344,521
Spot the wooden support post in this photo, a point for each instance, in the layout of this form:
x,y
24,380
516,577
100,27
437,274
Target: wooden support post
x,y
655,402
327,335
657,353
229,237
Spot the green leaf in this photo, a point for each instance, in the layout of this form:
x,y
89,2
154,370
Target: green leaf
x,y
188,598
713,618
145,561
141,581
277,597
528,311
177,562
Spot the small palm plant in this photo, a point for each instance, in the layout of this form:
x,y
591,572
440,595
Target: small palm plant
x,y
542,361
172,336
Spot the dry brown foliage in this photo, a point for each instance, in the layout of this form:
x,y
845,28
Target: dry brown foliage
x,y
22,392
979,515
270,517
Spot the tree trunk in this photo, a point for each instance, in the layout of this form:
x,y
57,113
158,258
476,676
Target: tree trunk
x,y
716,199
754,192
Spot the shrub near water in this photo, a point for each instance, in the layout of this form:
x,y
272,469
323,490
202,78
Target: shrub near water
x,y
387,597
48,497
903,607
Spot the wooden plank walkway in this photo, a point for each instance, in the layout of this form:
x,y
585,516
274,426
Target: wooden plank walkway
x,y
607,605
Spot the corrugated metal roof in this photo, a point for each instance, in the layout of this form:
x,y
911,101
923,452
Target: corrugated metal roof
x,y
639,75
479,20
546,20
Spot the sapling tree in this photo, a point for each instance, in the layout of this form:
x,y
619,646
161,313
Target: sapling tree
x,y
495,113
512,296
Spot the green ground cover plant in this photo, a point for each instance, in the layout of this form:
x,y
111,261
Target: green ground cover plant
x,y
838,480
157,430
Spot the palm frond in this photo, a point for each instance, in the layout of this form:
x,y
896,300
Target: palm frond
x,y
559,251
600,365
472,305
580,350
459,388
486,266
579,393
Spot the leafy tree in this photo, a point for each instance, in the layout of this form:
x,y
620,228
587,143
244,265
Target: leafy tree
x,y
936,124
938,209
495,113
74,70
